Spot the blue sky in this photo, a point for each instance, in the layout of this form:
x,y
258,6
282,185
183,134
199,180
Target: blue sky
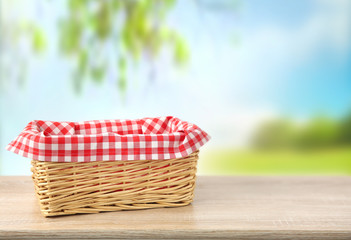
x,y
261,60
294,56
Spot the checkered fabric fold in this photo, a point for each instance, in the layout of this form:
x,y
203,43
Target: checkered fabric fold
x,y
108,140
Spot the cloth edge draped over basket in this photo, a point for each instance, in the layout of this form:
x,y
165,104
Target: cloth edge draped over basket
x,y
108,140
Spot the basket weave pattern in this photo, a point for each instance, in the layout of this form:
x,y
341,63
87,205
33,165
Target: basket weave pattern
x,y
92,187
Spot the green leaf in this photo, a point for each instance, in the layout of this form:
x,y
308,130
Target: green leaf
x,y
143,27
181,51
75,5
77,82
122,65
70,37
164,33
38,40
83,61
103,20
116,4
169,3
122,83
98,73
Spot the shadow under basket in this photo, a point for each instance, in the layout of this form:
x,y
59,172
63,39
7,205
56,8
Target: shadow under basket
x,y
92,187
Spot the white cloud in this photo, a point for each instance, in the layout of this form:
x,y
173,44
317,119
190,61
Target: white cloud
x,y
337,18
328,26
233,129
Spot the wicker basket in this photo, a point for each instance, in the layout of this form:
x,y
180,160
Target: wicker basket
x,y
92,187
110,165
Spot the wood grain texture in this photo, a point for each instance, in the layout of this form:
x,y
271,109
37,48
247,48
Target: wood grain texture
x,y
224,208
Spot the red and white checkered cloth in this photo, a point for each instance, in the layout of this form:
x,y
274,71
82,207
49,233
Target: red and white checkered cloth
x,y
108,140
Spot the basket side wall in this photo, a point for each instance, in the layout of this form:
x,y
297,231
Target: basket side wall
x,y
71,188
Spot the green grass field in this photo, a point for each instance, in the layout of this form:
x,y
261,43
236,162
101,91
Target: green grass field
x,y
250,162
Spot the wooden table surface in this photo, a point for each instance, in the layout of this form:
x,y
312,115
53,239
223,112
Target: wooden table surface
x,y
224,207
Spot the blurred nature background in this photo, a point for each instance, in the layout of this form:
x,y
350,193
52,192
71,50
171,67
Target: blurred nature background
x,y
269,80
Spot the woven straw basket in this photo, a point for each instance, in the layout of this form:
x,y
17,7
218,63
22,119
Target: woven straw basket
x,y
92,187
110,165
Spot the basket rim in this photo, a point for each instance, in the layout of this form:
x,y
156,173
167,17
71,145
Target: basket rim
x,y
108,140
